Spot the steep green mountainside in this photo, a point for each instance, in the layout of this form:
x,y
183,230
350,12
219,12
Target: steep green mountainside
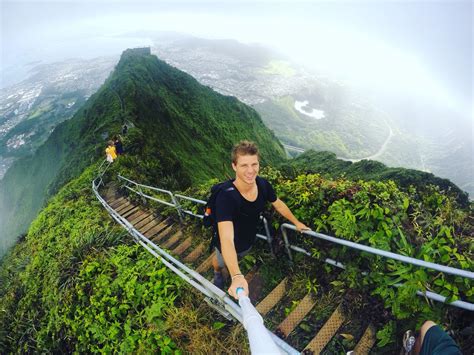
x,y
326,163
76,283
181,130
188,122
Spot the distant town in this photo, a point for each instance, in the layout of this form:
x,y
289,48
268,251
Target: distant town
x,y
50,88
229,76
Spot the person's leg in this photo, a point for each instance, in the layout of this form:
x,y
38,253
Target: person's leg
x,y
423,330
218,265
434,340
215,264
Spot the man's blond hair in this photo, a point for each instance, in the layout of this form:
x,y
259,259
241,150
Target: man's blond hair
x,y
244,148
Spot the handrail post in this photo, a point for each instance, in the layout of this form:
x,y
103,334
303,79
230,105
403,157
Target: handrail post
x,y
269,235
287,243
140,192
178,208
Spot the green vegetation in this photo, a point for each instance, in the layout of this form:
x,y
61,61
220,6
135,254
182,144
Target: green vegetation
x,y
426,224
327,164
77,284
429,226
182,133
347,129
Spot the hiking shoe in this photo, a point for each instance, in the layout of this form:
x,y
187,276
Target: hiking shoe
x,y
219,280
408,343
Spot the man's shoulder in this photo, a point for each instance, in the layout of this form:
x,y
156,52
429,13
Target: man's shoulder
x,y
267,189
262,182
227,199
226,190
225,186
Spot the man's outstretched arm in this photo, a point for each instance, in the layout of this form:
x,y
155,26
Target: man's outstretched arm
x,y
283,209
226,234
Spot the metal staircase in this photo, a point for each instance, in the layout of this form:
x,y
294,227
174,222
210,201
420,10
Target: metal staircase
x,y
188,256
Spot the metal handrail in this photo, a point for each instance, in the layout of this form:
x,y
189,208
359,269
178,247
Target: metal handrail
x,y
174,202
384,253
223,301
357,246
151,188
406,259
192,199
175,197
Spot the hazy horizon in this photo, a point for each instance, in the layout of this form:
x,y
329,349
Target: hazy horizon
x,y
417,48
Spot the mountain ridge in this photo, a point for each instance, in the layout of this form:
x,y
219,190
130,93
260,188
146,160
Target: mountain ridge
x,y
77,282
326,163
166,107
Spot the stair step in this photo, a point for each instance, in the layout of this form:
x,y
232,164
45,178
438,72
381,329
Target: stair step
x,y
173,240
124,207
149,226
145,221
163,234
130,212
156,229
272,298
366,342
328,330
206,264
140,217
195,254
181,248
117,202
297,315
127,209
134,215
113,200
251,274
255,282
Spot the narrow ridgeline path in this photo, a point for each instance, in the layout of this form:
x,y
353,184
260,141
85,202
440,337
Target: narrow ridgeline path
x,y
311,320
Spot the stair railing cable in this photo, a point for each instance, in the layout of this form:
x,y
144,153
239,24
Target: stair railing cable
x,y
101,170
217,298
429,294
406,259
176,205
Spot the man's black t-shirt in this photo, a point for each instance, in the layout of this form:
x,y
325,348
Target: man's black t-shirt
x,y
232,206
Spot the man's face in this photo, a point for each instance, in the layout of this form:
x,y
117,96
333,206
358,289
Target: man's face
x,y
246,168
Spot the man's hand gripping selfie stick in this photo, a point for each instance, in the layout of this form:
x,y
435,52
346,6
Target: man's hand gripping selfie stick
x,y
259,336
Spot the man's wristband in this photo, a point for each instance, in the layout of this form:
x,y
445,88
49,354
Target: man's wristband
x,y
234,276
